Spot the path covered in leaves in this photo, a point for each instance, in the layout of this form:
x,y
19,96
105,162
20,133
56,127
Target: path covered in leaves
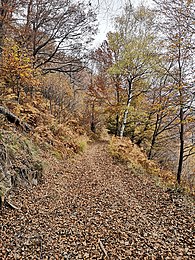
x,y
96,209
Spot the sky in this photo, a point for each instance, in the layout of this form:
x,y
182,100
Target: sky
x,y
107,10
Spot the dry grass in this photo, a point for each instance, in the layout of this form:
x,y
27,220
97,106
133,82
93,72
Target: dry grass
x,y
123,150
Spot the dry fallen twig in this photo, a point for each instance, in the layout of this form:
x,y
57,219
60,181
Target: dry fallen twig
x,y
103,248
10,205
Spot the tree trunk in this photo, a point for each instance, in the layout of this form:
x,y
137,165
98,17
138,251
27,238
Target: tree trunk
x,y
124,121
117,130
181,118
2,15
154,137
93,128
181,151
1,40
140,140
117,125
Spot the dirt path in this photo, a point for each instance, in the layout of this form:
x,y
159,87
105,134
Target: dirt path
x,y
96,209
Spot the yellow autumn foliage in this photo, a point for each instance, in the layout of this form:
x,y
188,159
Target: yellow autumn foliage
x,y
17,69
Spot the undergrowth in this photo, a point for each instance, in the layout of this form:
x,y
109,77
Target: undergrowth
x,y
124,151
48,144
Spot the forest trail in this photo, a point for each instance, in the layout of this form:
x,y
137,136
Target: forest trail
x,y
96,209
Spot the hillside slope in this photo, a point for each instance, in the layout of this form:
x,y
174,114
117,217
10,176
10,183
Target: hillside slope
x,y
93,208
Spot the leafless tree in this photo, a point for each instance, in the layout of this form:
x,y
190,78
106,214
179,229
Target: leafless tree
x,y
57,32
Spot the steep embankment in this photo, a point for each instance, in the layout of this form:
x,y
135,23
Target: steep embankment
x,y
92,208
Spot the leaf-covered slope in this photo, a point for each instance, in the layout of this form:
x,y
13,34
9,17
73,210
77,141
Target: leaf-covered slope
x,y
25,151
93,208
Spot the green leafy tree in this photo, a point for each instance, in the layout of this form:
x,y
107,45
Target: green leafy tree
x,y
135,41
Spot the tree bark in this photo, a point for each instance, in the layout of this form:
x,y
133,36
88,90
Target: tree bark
x,y
127,108
117,125
93,128
2,17
154,136
117,130
181,116
181,151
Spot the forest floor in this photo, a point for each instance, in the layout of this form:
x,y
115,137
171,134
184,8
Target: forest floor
x,y
94,208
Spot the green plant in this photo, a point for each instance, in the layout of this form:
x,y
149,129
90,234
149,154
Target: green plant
x,y
82,145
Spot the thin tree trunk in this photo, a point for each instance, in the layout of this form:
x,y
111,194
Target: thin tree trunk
x,y
140,140
125,118
155,133
1,40
124,121
181,151
117,130
117,125
93,128
181,117
2,17
5,16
